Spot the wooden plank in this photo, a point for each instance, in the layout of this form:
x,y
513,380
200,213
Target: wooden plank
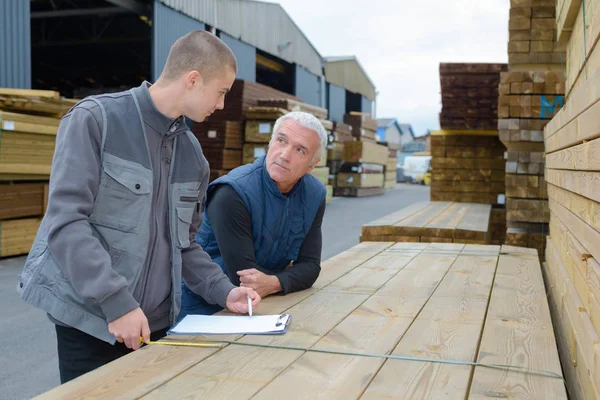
x,y
383,226
583,183
254,367
587,210
585,156
475,224
448,328
576,330
415,224
518,331
373,327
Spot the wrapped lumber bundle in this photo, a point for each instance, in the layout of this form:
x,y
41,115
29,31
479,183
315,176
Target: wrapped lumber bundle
x,y
572,149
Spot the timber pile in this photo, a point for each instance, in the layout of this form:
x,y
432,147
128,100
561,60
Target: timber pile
x,y
467,166
572,175
29,122
390,169
222,134
532,37
441,222
362,171
340,134
469,95
445,301
363,126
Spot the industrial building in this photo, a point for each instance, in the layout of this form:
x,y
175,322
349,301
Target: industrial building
x,y
91,46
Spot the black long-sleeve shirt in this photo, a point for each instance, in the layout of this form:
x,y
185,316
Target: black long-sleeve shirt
x,y
232,226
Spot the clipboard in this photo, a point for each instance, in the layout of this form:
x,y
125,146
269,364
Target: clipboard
x,y
229,325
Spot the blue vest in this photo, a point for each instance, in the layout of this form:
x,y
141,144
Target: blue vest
x,y
279,222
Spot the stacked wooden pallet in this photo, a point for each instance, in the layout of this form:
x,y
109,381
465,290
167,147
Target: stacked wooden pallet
x,y
572,175
532,37
383,320
362,171
469,95
440,222
29,122
467,166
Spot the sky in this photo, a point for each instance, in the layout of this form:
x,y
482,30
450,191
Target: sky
x,y
400,44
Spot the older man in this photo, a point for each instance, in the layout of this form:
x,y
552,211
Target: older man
x,y
262,221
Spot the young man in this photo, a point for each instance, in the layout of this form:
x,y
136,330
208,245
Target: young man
x,y
262,223
126,196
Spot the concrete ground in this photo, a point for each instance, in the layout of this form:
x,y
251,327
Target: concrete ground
x,y
28,347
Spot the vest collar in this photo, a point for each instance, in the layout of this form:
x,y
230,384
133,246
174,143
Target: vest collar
x,y
270,184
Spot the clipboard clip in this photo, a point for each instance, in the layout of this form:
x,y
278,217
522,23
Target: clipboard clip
x,y
283,319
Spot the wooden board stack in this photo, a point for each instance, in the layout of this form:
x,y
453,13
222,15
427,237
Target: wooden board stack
x,y
423,312
467,156
433,222
532,37
572,140
340,134
362,171
529,96
363,126
467,166
390,169
29,122
469,95
222,134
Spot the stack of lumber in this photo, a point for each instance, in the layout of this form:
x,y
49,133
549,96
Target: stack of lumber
x,y
363,126
390,169
29,122
260,122
222,134
572,175
424,312
362,171
469,95
441,222
467,166
532,36
527,101
498,224
340,134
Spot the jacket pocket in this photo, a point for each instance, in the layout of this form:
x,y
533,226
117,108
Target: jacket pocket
x,y
184,220
124,195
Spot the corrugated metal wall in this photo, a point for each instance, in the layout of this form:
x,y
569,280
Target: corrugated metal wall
x,y
265,26
337,102
15,44
168,25
366,105
349,75
308,86
245,55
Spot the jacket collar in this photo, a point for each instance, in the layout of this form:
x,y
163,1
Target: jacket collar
x,y
152,116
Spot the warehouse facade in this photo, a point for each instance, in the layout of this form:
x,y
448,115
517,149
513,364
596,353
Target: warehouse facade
x,y
92,46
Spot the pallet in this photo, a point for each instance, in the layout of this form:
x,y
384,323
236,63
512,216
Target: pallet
x,y
455,222
450,302
357,191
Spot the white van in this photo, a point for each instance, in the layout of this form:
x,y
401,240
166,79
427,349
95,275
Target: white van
x,y
415,168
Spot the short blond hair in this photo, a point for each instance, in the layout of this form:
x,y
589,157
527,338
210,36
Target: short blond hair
x,y
201,51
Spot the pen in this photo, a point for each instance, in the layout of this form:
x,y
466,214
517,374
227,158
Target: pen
x,y
249,306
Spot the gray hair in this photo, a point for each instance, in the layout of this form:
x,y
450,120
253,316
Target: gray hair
x,y
308,121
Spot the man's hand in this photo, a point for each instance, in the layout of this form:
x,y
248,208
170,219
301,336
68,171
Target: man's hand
x,y
262,283
130,327
237,300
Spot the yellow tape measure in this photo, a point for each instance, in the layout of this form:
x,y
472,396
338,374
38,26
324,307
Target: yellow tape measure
x,y
189,344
